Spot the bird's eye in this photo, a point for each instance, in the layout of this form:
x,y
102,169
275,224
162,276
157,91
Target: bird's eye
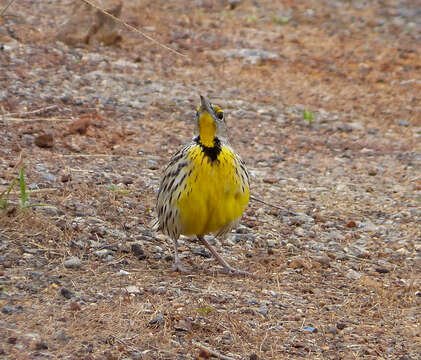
x,y
220,115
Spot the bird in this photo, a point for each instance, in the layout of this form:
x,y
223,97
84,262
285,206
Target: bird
x,y
205,187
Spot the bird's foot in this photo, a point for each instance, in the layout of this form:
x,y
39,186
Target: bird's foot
x,y
180,268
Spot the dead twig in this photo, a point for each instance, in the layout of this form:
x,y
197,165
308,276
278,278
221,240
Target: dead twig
x,y
132,28
266,203
100,155
33,112
213,352
36,119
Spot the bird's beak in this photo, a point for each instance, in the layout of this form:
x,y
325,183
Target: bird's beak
x,y
205,106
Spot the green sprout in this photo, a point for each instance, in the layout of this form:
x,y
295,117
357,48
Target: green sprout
x,y
204,310
281,19
4,196
308,116
117,190
24,195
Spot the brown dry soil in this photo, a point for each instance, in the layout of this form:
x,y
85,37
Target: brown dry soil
x,y
337,261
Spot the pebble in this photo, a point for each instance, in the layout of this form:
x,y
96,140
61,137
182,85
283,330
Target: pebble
x,y
202,252
252,56
332,330
6,309
271,243
368,226
44,141
402,122
133,289
402,251
309,329
136,355
73,263
66,293
49,177
103,252
158,320
341,325
322,259
263,310
60,335
123,273
41,345
299,231
335,236
183,325
353,275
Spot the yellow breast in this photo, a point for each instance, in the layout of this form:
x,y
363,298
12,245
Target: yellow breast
x,y
215,193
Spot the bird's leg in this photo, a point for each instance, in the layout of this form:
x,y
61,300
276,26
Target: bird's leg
x,y
177,263
227,267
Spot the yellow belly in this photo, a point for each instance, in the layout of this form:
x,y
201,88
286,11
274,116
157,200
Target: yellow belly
x,y
215,194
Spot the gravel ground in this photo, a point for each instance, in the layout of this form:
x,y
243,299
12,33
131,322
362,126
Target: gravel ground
x,y
322,102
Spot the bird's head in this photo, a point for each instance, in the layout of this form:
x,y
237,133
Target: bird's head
x,y
210,123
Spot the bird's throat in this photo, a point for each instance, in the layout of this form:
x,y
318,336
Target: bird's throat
x,y
207,130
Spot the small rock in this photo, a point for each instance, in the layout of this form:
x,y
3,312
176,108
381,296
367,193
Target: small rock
x,y
299,231
353,275
310,329
204,354
136,355
79,126
299,263
341,325
270,180
369,226
233,4
74,306
335,236
49,177
253,301
263,310
41,345
202,252
73,263
382,270
322,259
402,251
123,273
183,325
271,243
66,293
127,180
158,320
351,224
133,289
6,309
45,141
332,330
109,258
66,177
103,252
301,219
60,335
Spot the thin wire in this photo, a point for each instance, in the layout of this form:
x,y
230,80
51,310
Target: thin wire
x,y
132,28
6,7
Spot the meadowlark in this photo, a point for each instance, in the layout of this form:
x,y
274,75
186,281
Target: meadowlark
x,y
205,186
